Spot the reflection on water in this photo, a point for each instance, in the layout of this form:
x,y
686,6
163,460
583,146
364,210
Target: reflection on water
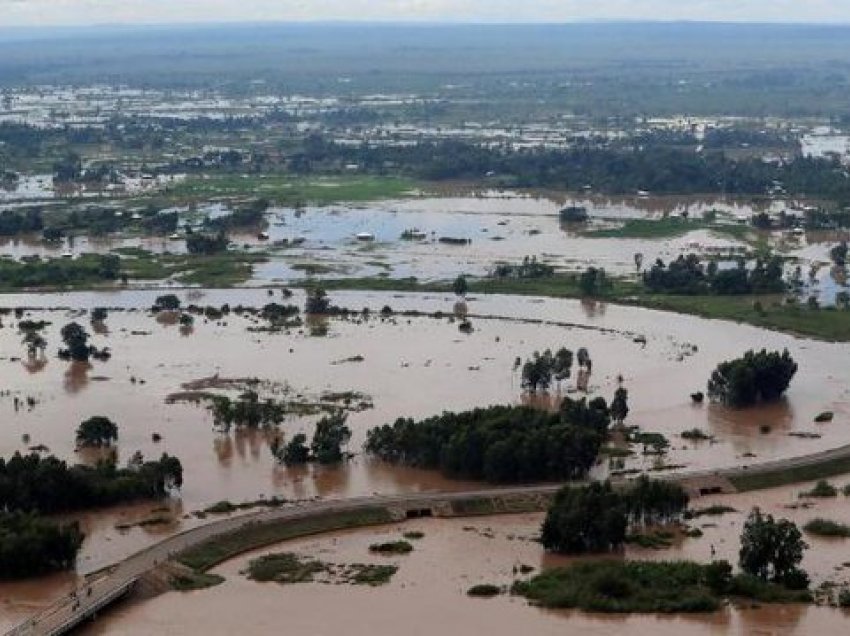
x,y
77,376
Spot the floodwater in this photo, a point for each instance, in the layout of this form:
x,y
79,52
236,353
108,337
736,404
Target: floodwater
x,y
412,367
428,593
502,227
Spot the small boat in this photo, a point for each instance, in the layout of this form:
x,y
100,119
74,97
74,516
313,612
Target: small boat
x,y
68,254
263,236
174,237
365,236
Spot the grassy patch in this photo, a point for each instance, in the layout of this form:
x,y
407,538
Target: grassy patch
x,y
644,587
827,528
655,540
784,476
194,581
284,568
219,549
484,590
414,535
290,568
823,489
709,511
291,190
391,547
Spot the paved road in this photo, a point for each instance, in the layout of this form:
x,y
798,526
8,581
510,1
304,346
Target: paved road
x,y
112,582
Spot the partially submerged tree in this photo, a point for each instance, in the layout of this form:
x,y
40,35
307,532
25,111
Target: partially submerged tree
x,y
772,550
753,378
97,431
329,438
76,339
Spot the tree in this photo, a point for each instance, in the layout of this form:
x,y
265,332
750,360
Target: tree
x,y
97,431
772,550
638,260
167,302
76,341
755,377
330,436
31,545
619,408
296,451
585,519
593,281
98,314
317,302
838,254
460,286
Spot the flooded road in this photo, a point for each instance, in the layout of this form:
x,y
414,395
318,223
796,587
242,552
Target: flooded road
x,y
429,590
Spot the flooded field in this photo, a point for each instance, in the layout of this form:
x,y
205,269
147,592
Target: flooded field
x,y
498,226
429,589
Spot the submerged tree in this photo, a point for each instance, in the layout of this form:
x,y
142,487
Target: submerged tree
x,y
755,377
772,550
97,431
317,301
619,405
329,438
76,339
460,286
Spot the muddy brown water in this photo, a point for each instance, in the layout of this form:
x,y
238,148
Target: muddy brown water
x,y
429,590
410,369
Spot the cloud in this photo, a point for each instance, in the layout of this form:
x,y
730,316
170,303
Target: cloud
x,y
66,12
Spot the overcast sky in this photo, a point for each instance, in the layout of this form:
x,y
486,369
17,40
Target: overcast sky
x,y
89,12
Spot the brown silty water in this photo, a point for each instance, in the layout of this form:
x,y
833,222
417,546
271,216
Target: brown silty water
x,y
429,590
412,367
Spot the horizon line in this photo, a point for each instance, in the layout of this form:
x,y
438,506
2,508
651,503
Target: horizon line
x,y
419,23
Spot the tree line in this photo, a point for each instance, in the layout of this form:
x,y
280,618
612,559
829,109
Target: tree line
x,y
500,444
596,518
48,485
687,275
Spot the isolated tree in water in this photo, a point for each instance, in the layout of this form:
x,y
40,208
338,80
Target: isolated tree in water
x,y
619,407
97,431
76,340
772,550
460,286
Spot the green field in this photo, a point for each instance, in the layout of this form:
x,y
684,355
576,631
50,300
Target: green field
x,y
293,190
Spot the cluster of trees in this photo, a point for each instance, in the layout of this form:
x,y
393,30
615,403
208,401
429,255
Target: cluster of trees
x,y
757,376
500,443
31,545
48,485
318,303
14,222
248,410
327,447
251,214
593,282
612,170
205,244
596,517
688,275
529,268
58,272
542,368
